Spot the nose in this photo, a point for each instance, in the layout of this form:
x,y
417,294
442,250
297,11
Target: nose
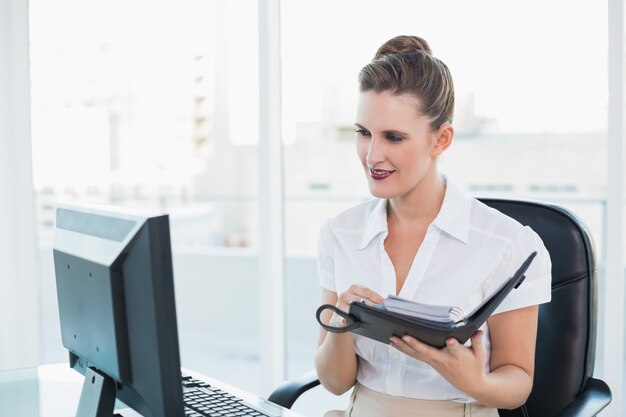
x,y
375,152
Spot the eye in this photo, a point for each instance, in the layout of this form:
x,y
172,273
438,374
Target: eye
x,y
362,132
392,137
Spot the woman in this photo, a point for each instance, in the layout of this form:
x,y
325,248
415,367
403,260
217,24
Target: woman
x,y
421,238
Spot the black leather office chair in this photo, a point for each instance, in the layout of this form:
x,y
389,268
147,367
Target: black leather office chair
x,y
566,340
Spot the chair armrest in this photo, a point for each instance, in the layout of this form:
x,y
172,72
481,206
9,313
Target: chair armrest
x,y
590,402
289,391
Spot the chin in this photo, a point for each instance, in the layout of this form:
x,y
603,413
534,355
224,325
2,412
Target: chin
x,y
380,192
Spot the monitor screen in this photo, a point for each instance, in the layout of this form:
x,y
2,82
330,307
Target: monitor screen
x,y
115,291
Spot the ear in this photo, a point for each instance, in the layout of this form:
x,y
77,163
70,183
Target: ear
x,y
442,139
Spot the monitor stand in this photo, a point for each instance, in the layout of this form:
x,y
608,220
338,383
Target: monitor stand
x,y
97,399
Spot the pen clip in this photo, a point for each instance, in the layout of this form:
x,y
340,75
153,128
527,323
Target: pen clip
x,y
522,278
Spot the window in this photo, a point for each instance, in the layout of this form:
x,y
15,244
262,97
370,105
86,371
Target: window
x,y
154,106
530,116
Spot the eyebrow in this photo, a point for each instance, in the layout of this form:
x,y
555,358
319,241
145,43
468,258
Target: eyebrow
x,y
394,132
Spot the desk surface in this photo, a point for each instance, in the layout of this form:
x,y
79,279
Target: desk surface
x,y
54,391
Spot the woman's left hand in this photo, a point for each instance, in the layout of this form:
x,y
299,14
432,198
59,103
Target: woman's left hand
x,y
462,366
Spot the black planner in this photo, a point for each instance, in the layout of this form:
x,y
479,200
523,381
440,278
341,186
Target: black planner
x,y
379,322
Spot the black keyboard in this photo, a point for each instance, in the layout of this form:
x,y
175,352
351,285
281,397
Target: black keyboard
x,y
202,400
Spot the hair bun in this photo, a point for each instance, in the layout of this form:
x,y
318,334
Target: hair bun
x,y
403,44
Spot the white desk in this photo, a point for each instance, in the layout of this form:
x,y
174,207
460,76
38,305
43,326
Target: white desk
x,y
54,391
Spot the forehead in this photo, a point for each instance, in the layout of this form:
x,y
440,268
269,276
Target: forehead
x,y
388,108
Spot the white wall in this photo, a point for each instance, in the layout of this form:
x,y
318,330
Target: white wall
x,y
19,344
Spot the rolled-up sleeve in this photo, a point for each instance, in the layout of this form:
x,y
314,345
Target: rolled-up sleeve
x,y
536,287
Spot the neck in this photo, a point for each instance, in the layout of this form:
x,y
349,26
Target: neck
x,y
422,204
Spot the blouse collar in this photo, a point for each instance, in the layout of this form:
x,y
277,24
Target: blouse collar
x,y
453,217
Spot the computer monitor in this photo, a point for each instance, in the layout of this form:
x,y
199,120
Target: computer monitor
x,y
115,292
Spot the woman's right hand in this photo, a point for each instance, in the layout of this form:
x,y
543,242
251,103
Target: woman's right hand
x,y
357,293
336,360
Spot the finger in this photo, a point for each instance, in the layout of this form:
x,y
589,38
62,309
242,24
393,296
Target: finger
x,y
373,296
419,347
402,346
452,344
369,296
352,298
341,304
477,338
477,342
337,321
345,299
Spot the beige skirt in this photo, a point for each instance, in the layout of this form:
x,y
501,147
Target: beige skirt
x,y
365,402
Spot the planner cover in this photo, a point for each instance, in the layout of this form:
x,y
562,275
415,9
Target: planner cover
x,y
379,323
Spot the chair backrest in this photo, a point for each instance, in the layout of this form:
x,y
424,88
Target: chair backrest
x,y
566,338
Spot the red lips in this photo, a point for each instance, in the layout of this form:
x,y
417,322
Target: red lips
x,y
380,174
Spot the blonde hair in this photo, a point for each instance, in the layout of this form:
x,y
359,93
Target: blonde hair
x,y
405,65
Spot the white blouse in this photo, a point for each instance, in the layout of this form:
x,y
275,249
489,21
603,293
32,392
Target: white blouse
x,y
468,251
